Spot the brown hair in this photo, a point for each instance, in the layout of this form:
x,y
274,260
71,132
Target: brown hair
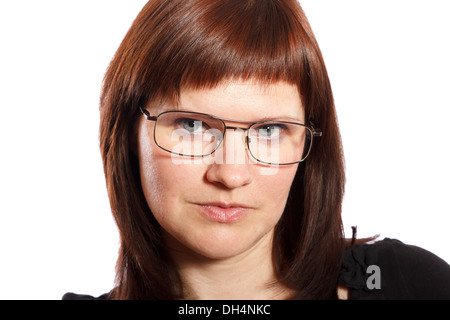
x,y
199,43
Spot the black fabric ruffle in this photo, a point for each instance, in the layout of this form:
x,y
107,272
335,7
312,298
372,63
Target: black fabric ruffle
x,y
355,263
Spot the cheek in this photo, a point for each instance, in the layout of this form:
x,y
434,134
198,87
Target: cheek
x,y
275,184
275,191
271,192
163,182
151,169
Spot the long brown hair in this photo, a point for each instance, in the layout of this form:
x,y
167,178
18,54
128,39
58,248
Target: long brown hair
x,y
199,43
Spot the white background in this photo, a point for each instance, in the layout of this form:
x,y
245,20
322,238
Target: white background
x,y
389,66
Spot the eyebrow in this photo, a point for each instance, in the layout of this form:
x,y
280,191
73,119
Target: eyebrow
x,y
264,119
282,118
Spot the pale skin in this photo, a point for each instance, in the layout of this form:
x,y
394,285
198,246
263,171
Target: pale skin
x,y
221,260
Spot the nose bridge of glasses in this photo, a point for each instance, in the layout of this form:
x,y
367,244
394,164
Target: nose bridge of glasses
x,y
240,130
246,125
234,146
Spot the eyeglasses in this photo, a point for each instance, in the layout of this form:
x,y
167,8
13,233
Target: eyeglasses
x,y
193,134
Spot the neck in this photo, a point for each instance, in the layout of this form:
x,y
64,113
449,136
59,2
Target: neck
x,y
247,276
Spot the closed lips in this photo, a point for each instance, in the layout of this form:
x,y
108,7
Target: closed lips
x,y
225,213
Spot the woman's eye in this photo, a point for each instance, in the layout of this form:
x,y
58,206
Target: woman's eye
x,y
270,130
191,125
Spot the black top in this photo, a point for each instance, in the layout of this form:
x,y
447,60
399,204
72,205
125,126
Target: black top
x,y
387,269
405,272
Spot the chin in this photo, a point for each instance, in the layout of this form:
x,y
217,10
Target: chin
x,y
216,241
219,248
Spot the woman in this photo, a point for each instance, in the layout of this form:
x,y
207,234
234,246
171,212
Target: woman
x,y
224,163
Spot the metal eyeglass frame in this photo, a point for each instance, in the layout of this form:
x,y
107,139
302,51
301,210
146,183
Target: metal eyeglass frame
x,y
314,133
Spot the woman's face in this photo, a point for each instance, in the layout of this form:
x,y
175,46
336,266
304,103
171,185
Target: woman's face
x,y
219,209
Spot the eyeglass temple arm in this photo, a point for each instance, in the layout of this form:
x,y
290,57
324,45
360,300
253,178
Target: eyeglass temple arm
x,y
147,114
316,133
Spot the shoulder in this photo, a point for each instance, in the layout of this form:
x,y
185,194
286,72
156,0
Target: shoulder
x,y
75,296
390,269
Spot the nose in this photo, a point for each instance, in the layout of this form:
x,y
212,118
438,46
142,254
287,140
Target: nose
x,y
231,167
231,176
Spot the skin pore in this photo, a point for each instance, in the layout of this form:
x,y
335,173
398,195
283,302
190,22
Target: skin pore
x,y
221,259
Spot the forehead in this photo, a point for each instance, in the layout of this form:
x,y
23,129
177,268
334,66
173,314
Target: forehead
x,y
244,100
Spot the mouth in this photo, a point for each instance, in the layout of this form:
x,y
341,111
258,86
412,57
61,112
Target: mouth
x,y
223,212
